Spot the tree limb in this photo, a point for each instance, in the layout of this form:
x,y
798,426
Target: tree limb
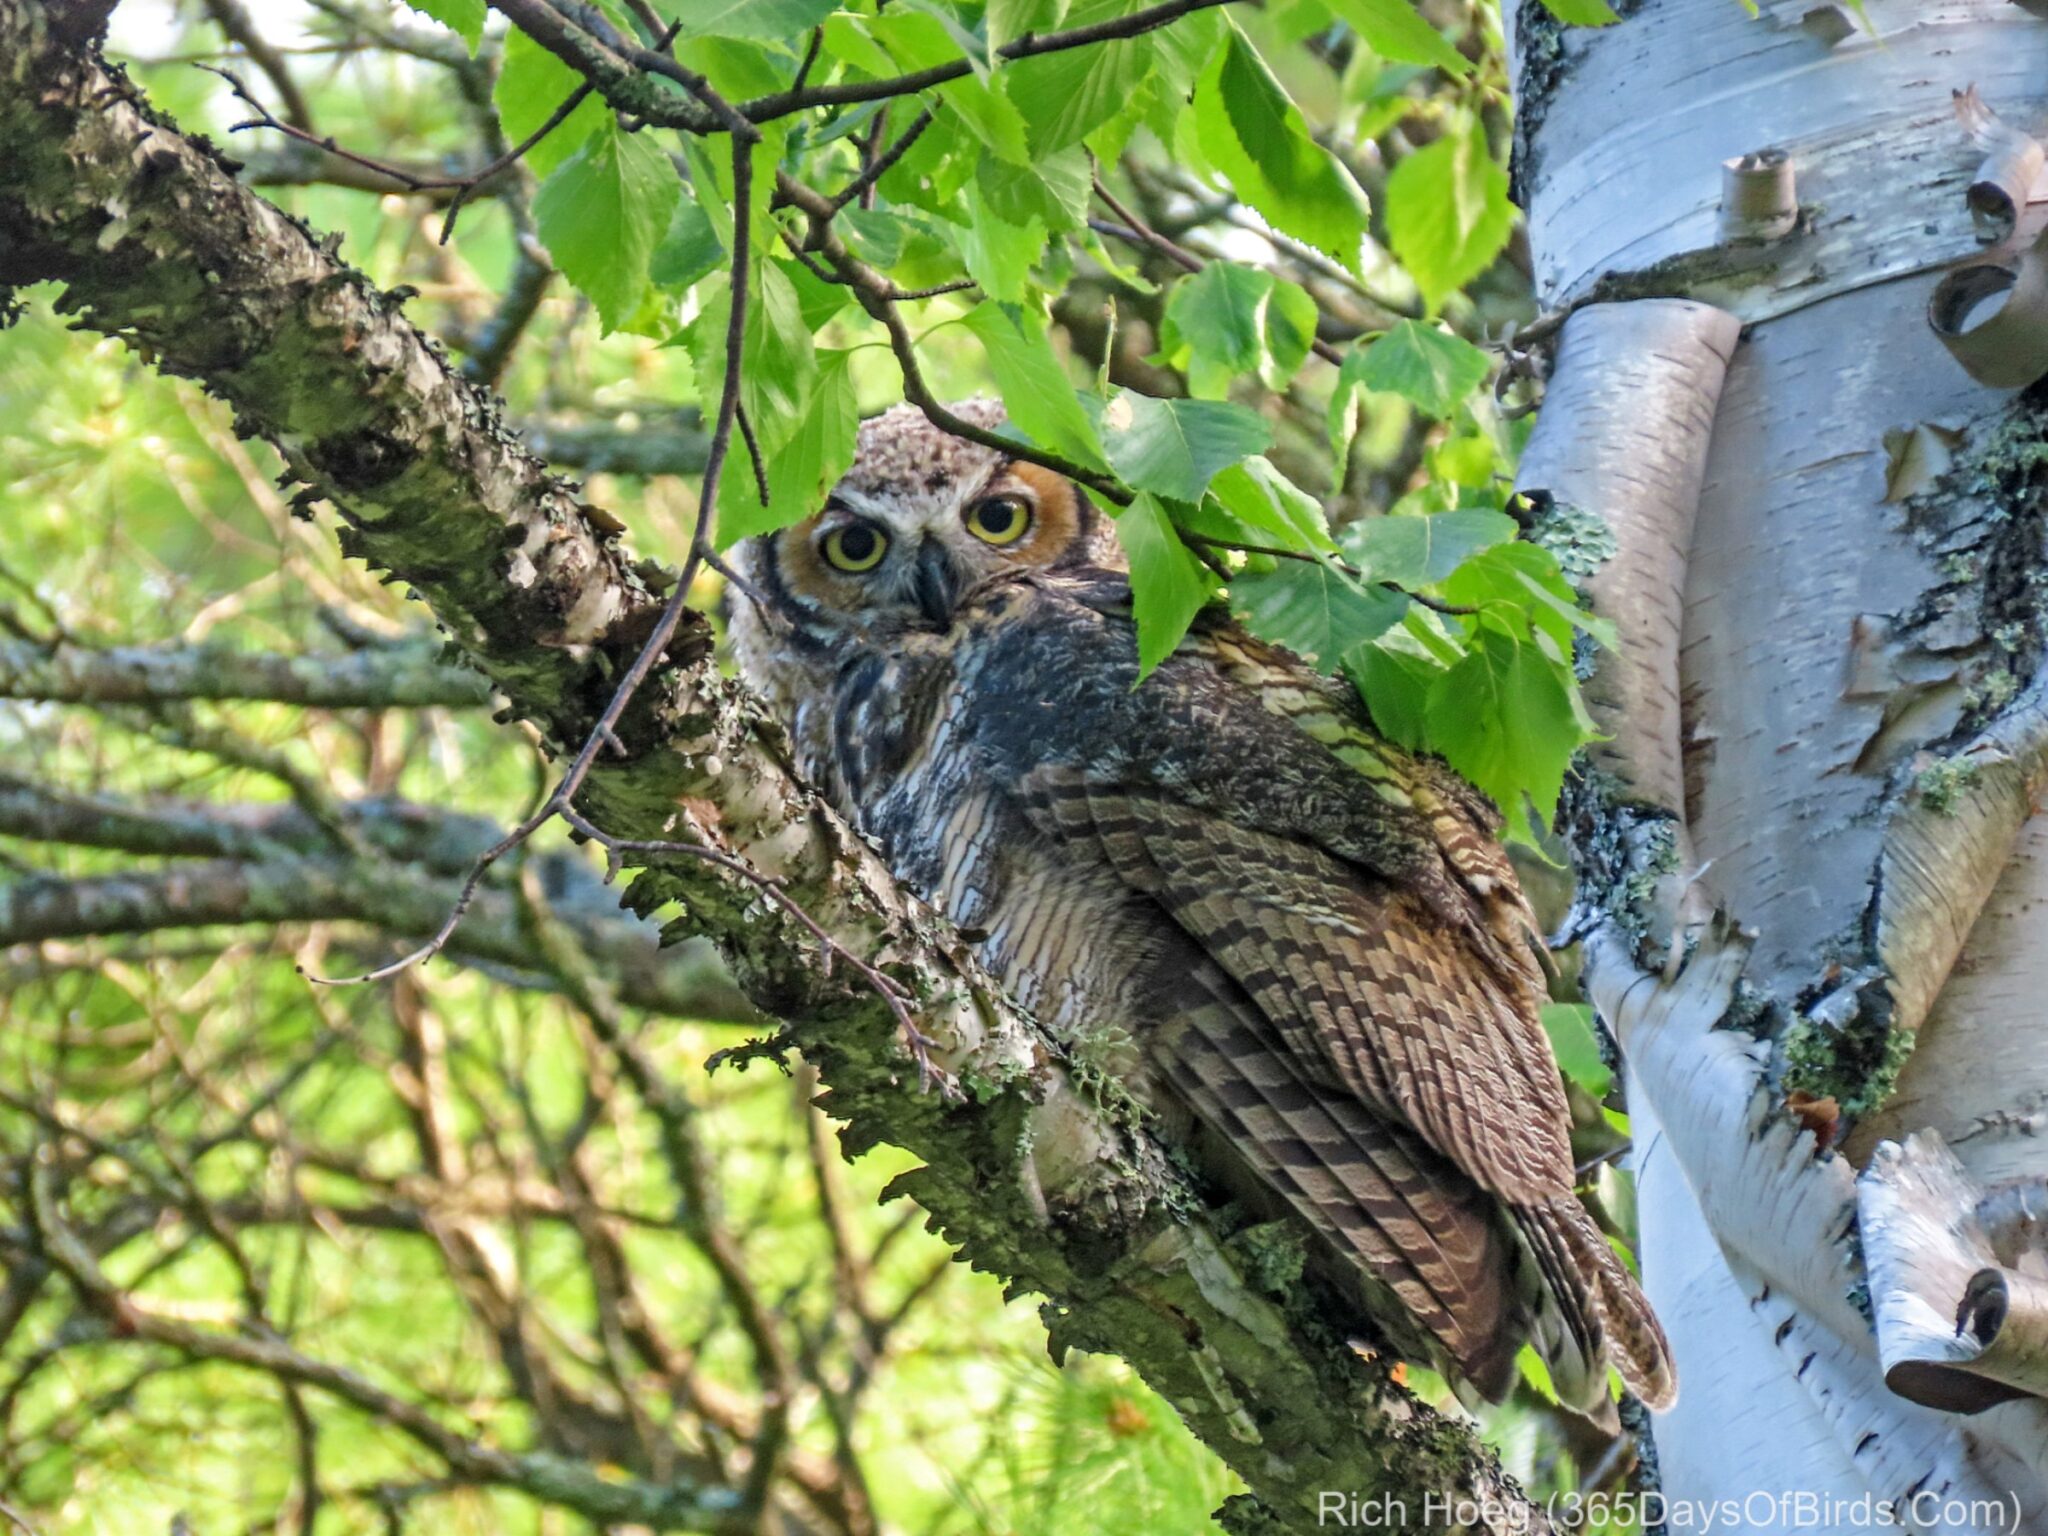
x,y
408,675
273,864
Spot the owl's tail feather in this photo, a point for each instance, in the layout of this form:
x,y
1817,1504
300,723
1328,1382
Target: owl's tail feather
x,y
1386,1208
1601,1302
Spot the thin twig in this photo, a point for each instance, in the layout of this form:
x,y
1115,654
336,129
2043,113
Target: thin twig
x,y
463,186
754,457
591,46
803,70
1138,232
879,165
829,948
878,297
848,93
234,21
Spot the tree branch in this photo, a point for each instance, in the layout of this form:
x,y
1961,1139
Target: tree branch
x,y
676,1506
406,675
273,864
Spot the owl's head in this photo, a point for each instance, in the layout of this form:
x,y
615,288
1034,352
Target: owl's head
x,y
921,519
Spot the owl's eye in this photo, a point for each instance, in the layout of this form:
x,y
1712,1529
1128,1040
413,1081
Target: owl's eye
x,y
856,547
999,519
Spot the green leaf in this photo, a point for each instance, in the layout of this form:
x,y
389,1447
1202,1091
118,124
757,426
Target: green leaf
x,y
998,255
878,236
532,84
1394,674
778,361
1065,96
1290,330
1526,577
689,251
1169,586
1416,552
1053,188
465,18
601,213
1214,326
848,40
1585,13
1173,447
737,68
1345,405
1009,20
923,37
1258,495
1229,321
1392,30
1570,1027
1252,134
768,21
1423,364
803,469
1314,609
1448,213
991,116
1033,382
1507,718
817,300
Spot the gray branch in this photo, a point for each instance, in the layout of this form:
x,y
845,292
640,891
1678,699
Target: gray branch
x,y
405,675
273,864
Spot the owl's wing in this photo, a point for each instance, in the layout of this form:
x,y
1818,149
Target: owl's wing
x,y
1363,984
1386,1204
1370,918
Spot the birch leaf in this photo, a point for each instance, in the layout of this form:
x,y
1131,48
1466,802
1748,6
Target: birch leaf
x,y
1169,586
1448,213
601,213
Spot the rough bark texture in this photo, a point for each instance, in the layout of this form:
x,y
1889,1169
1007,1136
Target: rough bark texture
x,y
1860,727
156,242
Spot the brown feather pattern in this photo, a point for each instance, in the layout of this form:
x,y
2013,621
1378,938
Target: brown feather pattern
x,y
1314,939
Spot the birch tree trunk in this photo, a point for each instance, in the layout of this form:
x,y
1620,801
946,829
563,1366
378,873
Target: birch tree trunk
x,y
1810,896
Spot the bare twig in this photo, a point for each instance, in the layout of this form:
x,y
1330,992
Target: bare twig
x,y
879,164
1136,231
233,18
463,186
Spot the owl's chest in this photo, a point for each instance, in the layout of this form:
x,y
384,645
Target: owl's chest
x,y
1066,936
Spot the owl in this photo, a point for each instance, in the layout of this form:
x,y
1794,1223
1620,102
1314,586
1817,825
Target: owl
x,y
1311,941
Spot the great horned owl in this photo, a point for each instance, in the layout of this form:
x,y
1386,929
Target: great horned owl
x,y
1313,939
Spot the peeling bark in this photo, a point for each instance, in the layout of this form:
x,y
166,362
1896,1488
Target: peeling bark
x,y
157,243
1957,1328
1859,729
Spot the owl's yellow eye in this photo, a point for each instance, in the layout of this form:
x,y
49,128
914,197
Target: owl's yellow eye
x,y
999,519
856,547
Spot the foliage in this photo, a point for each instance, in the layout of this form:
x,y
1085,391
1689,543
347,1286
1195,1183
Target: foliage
x,y
988,207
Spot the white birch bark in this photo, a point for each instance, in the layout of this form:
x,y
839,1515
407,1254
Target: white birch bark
x,y
1836,735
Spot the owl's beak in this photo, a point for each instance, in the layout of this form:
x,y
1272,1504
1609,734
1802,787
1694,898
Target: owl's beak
x,y
936,581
